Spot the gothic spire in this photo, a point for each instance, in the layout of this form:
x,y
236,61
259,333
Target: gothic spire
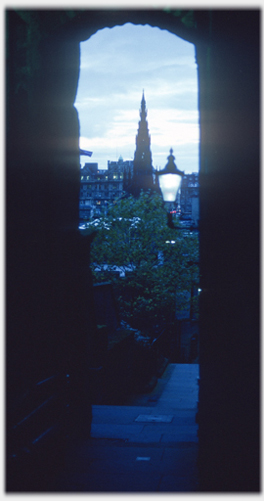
x,y
143,171
143,111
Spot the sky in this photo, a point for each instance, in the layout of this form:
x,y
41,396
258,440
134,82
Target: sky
x,y
117,64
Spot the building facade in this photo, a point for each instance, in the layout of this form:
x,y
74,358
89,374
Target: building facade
x,y
99,188
189,197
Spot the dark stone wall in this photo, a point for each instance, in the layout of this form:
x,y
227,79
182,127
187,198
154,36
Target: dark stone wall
x,y
50,324
229,252
47,260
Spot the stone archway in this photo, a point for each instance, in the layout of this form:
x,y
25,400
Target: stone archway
x,y
46,267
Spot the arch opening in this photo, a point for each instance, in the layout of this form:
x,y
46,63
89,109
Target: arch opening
x,y
116,64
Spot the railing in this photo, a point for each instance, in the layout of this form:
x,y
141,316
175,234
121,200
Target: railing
x,y
36,434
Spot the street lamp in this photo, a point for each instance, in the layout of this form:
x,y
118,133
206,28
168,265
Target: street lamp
x,y
169,182
170,179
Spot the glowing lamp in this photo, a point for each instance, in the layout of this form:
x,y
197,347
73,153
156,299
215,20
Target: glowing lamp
x,y
170,179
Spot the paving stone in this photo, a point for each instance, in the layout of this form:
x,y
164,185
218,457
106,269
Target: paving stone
x,y
148,436
115,414
173,483
180,437
154,418
181,460
137,448
107,483
115,430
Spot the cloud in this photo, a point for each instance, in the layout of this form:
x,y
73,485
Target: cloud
x,y
116,65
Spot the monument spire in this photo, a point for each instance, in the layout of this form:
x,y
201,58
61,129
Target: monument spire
x,y
143,171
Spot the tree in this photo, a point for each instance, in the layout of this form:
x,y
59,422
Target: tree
x,y
144,259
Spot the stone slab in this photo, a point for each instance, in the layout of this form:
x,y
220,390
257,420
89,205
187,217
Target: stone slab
x,y
183,436
115,430
154,418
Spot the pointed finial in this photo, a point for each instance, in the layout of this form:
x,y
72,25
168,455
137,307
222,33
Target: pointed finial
x,y
171,157
143,111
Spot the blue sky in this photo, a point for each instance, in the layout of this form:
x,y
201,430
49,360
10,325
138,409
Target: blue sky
x,y
116,65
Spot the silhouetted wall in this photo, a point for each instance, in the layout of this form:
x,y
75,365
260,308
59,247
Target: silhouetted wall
x,y
229,251
50,314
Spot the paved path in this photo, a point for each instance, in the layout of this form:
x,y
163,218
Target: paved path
x,y
149,445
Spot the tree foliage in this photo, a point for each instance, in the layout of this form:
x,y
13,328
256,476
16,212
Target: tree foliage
x,y
146,261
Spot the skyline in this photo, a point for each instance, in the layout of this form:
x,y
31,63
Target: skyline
x,y
109,93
